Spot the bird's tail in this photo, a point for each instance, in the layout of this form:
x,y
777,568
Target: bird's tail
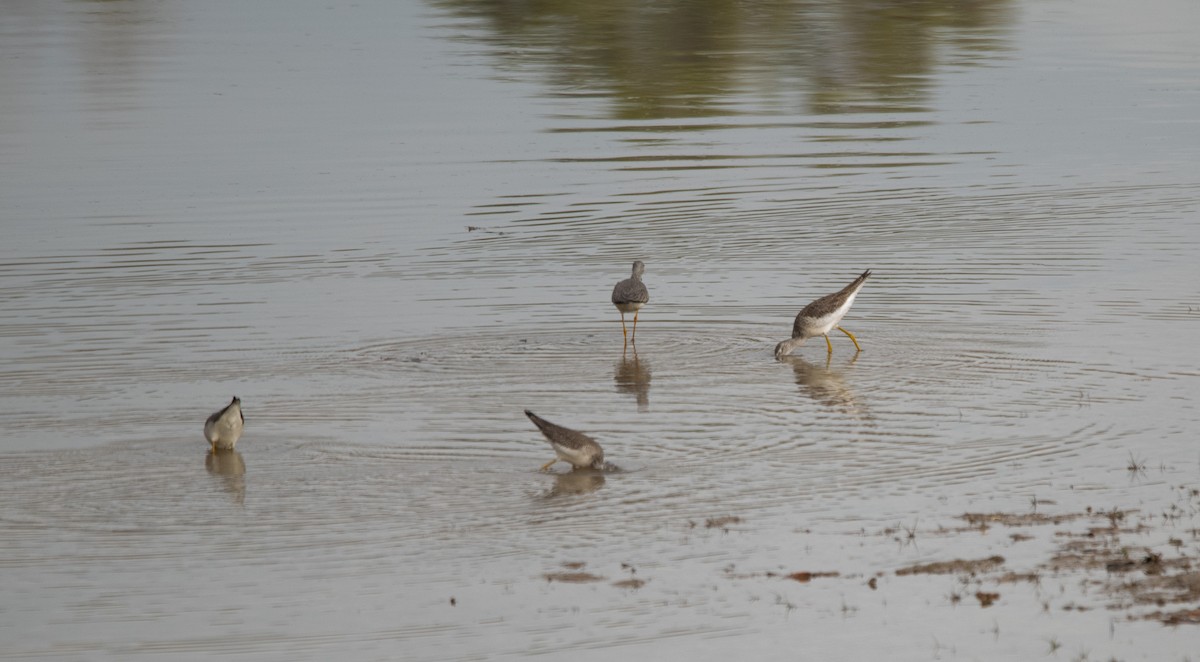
x,y
858,282
542,423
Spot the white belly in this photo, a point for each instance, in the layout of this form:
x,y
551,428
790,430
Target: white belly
x,y
823,325
224,432
629,306
579,457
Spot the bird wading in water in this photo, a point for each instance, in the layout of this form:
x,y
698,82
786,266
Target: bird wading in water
x,y
822,316
224,428
629,296
570,446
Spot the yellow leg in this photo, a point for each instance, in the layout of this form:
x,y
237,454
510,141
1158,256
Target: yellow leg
x,y
548,464
828,344
634,338
852,338
624,333
214,448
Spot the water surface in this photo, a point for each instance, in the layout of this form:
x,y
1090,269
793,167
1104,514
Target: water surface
x,y
391,228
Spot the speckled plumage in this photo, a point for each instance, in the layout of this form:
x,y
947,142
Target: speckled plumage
x,y
632,290
575,448
822,316
630,295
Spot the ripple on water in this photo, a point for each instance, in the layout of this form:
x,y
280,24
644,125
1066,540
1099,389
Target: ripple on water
x,y
709,402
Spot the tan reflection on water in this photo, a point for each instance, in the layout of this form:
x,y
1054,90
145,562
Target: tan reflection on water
x,y
231,468
826,384
632,376
577,482
685,59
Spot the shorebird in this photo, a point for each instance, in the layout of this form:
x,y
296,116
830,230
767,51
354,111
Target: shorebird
x,y
569,446
224,428
630,295
822,316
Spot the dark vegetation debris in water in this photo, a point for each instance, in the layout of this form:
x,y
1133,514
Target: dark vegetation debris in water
x,y
572,577
955,567
1146,578
722,522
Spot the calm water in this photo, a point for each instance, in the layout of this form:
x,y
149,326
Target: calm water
x,y
390,227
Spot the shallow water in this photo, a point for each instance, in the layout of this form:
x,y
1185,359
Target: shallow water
x,y
390,229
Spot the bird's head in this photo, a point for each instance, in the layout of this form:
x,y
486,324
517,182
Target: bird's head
x,y
787,347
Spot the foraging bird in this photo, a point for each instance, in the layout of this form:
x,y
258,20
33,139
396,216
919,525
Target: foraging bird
x,y
822,316
224,428
630,295
569,446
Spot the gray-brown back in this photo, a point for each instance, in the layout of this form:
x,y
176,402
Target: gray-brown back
x,y
557,434
632,289
827,304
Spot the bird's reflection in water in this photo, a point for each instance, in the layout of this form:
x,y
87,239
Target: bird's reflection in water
x,y
229,465
579,481
826,385
632,375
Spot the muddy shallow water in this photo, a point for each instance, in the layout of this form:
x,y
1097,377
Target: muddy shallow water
x,y
390,229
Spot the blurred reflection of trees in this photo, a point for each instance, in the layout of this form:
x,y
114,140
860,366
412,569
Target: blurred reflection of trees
x,y
691,58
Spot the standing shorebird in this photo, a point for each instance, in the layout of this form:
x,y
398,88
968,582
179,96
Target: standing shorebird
x,y
822,316
224,428
569,446
630,295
